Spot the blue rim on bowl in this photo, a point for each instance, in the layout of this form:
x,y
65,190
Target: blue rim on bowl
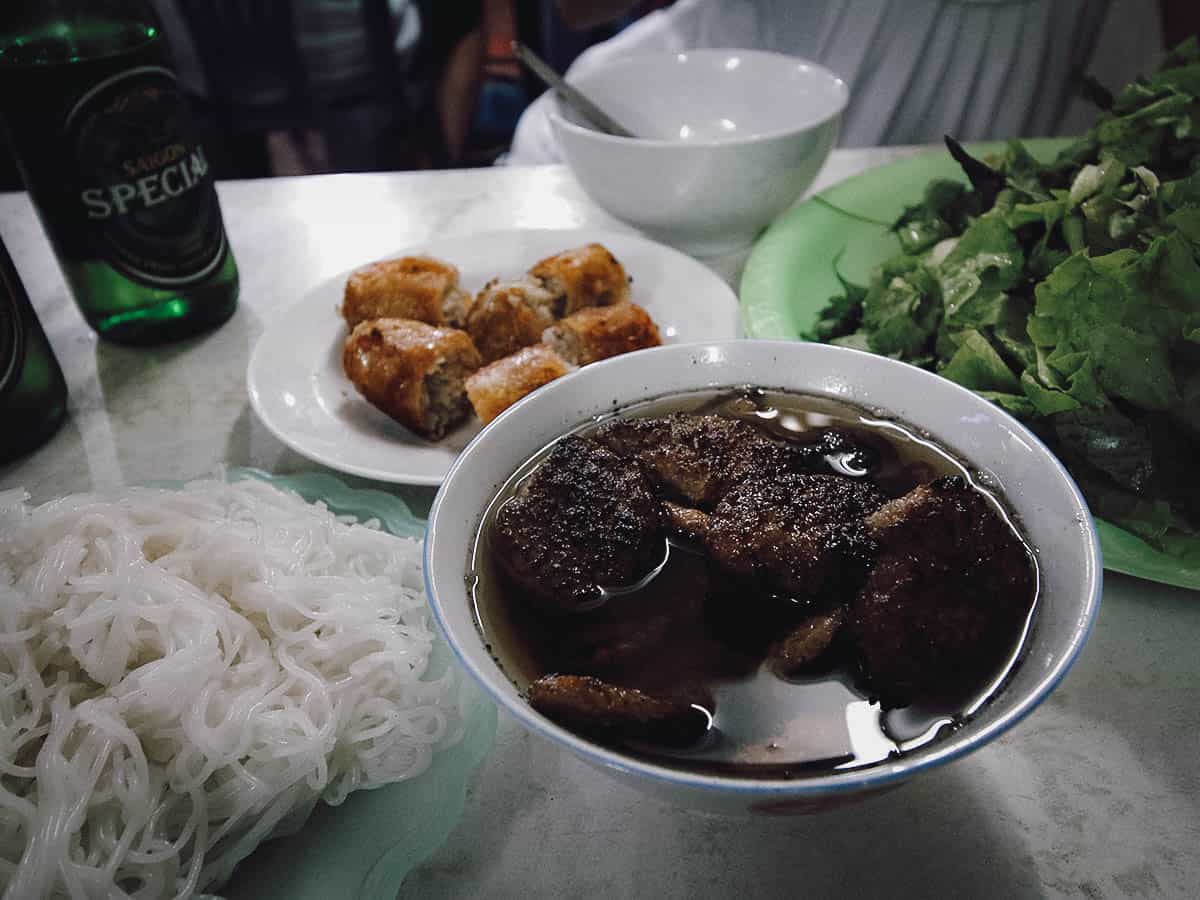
x,y
854,780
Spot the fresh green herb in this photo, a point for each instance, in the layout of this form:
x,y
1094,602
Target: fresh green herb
x,y
1068,294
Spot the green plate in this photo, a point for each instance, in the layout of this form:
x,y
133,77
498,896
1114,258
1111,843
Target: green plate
x,y
364,848
792,273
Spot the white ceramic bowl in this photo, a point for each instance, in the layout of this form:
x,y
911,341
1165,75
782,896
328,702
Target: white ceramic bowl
x,y
727,140
1037,487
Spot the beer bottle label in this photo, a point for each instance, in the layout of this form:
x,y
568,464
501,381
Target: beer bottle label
x,y
145,192
12,337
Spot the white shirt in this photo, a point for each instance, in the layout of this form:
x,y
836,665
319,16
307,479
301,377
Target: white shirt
x,y
917,69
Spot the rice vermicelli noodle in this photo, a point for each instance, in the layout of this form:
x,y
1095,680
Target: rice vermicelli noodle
x,y
184,672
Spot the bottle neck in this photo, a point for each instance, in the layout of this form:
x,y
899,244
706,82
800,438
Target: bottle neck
x,y
49,32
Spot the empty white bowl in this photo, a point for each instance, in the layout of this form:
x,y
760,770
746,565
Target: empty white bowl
x,y
727,140
1008,457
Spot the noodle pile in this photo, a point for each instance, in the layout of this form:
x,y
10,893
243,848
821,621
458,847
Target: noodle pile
x,y
183,671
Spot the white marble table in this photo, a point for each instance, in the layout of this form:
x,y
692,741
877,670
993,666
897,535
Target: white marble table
x,y
1096,795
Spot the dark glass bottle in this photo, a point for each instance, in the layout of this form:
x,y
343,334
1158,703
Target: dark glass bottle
x,y
109,152
33,394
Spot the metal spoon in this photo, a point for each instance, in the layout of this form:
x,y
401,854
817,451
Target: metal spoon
x,y
581,104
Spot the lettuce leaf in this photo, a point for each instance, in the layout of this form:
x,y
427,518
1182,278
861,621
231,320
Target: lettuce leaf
x,y
1068,294
902,309
977,365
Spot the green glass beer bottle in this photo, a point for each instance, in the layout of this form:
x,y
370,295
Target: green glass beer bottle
x,y
33,394
108,150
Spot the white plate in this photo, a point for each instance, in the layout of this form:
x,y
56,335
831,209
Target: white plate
x,y
299,391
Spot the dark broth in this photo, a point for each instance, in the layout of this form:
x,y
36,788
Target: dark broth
x,y
763,725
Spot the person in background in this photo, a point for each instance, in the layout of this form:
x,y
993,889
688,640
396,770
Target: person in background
x,y
481,88
451,54
302,86
917,69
